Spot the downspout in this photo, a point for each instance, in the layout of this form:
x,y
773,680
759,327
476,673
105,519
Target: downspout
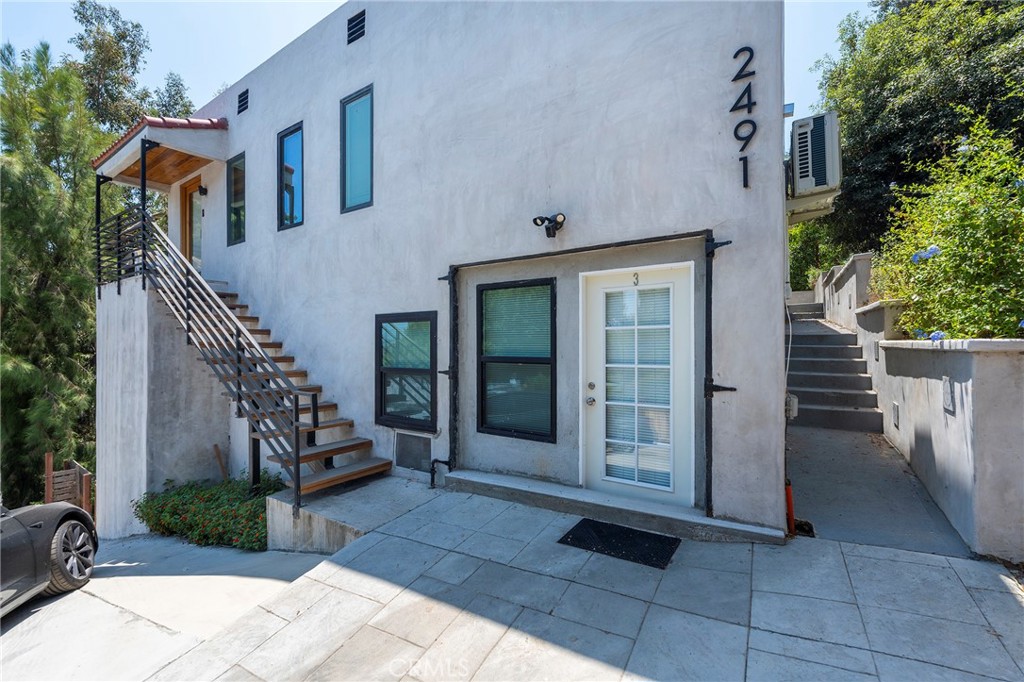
x,y
710,387
453,375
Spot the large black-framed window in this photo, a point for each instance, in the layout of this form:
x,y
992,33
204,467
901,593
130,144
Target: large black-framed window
x,y
516,359
357,150
289,177
236,199
406,370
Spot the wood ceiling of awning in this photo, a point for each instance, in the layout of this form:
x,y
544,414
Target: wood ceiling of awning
x,y
166,166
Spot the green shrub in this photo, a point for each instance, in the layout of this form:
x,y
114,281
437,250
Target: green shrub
x,y
955,253
219,514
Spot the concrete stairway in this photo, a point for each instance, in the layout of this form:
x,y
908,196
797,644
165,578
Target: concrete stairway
x,y
828,375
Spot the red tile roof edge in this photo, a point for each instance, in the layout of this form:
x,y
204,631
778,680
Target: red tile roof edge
x,y
160,122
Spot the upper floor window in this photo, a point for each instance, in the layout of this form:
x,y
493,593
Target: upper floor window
x,y
357,150
236,199
406,365
289,177
516,352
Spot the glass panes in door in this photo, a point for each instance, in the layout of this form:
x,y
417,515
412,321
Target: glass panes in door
x,y
638,385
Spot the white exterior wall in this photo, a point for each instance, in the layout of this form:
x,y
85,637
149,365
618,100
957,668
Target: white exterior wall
x,y
485,115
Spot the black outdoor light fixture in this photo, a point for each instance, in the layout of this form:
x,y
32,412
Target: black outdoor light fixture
x,y
550,224
202,191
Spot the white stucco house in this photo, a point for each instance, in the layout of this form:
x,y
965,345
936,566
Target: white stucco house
x,y
518,244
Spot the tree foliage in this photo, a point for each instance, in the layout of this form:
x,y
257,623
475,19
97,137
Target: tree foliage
x,y
897,84
47,331
113,53
811,251
172,99
955,255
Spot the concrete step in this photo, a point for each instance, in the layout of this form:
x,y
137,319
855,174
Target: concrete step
x,y
837,339
806,316
806,308
658,517
798,350
824,380
829,365
834,397
841,418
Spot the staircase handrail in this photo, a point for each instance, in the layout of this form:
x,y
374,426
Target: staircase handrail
x,y
130,244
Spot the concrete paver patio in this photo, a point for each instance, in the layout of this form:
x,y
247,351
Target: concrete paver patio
x,y
469,587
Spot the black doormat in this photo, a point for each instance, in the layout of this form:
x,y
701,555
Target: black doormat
x,y
638,546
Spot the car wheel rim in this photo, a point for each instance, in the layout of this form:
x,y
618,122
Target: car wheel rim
x,y
77,551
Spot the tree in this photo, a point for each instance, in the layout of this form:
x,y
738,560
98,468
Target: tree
x,y
955,255
172,100
897,85
113,53
47,328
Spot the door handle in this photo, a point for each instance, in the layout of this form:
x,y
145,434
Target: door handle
x,y
37,524
590,400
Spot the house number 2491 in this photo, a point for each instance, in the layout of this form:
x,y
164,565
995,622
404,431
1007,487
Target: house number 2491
x,y
746,129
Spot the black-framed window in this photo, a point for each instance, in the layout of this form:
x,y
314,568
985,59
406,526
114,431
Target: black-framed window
x,y
289,177
406,370
516,353
357,150
236,199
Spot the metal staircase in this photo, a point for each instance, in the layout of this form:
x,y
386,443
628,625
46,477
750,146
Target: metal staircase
x,y
284,418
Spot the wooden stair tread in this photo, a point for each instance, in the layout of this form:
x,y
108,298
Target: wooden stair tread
x,y
226,294
318,452
281,359
306,409
271,344
262,332
278,390
247,318
307,427
350,472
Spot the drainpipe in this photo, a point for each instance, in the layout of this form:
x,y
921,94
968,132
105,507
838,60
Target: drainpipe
x,y
453,375
710,387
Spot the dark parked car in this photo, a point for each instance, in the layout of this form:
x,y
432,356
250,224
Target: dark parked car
x,y
46,548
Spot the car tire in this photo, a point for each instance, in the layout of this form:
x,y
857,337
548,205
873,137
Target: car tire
x,y
72,556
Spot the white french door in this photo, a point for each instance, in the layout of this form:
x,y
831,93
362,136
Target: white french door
x,y
637,382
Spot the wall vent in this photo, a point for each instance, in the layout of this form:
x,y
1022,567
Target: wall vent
x,y
412,451
243,100
356,27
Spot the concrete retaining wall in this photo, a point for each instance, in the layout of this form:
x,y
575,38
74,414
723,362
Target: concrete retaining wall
x,y
954,409
159,409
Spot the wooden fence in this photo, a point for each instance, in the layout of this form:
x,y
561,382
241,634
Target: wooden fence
x,y
71,484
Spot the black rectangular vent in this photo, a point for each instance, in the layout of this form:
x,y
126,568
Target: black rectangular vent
x,y
412,451
356,27
243,100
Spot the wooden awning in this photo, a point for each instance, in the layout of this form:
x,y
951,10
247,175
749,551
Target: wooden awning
x,y
184,146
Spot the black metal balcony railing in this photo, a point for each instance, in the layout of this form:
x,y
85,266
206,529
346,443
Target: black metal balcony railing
x,y
128,245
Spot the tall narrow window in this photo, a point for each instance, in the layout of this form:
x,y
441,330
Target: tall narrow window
x,y
406,363
357,150
236,200
516,350
289,177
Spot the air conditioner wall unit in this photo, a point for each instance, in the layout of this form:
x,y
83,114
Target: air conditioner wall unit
x,y
815,161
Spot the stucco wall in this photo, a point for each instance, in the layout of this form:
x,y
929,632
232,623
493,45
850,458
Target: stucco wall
x,y
846,290
159,409
485,115
960,424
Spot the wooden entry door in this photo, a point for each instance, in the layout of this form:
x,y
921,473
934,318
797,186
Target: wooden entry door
x,y
192,223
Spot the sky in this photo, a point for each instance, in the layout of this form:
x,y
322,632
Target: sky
x,y
216,43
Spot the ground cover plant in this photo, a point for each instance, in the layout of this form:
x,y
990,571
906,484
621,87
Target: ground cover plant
x,y
226,513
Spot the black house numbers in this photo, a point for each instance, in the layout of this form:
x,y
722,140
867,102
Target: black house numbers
x,y
746,129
